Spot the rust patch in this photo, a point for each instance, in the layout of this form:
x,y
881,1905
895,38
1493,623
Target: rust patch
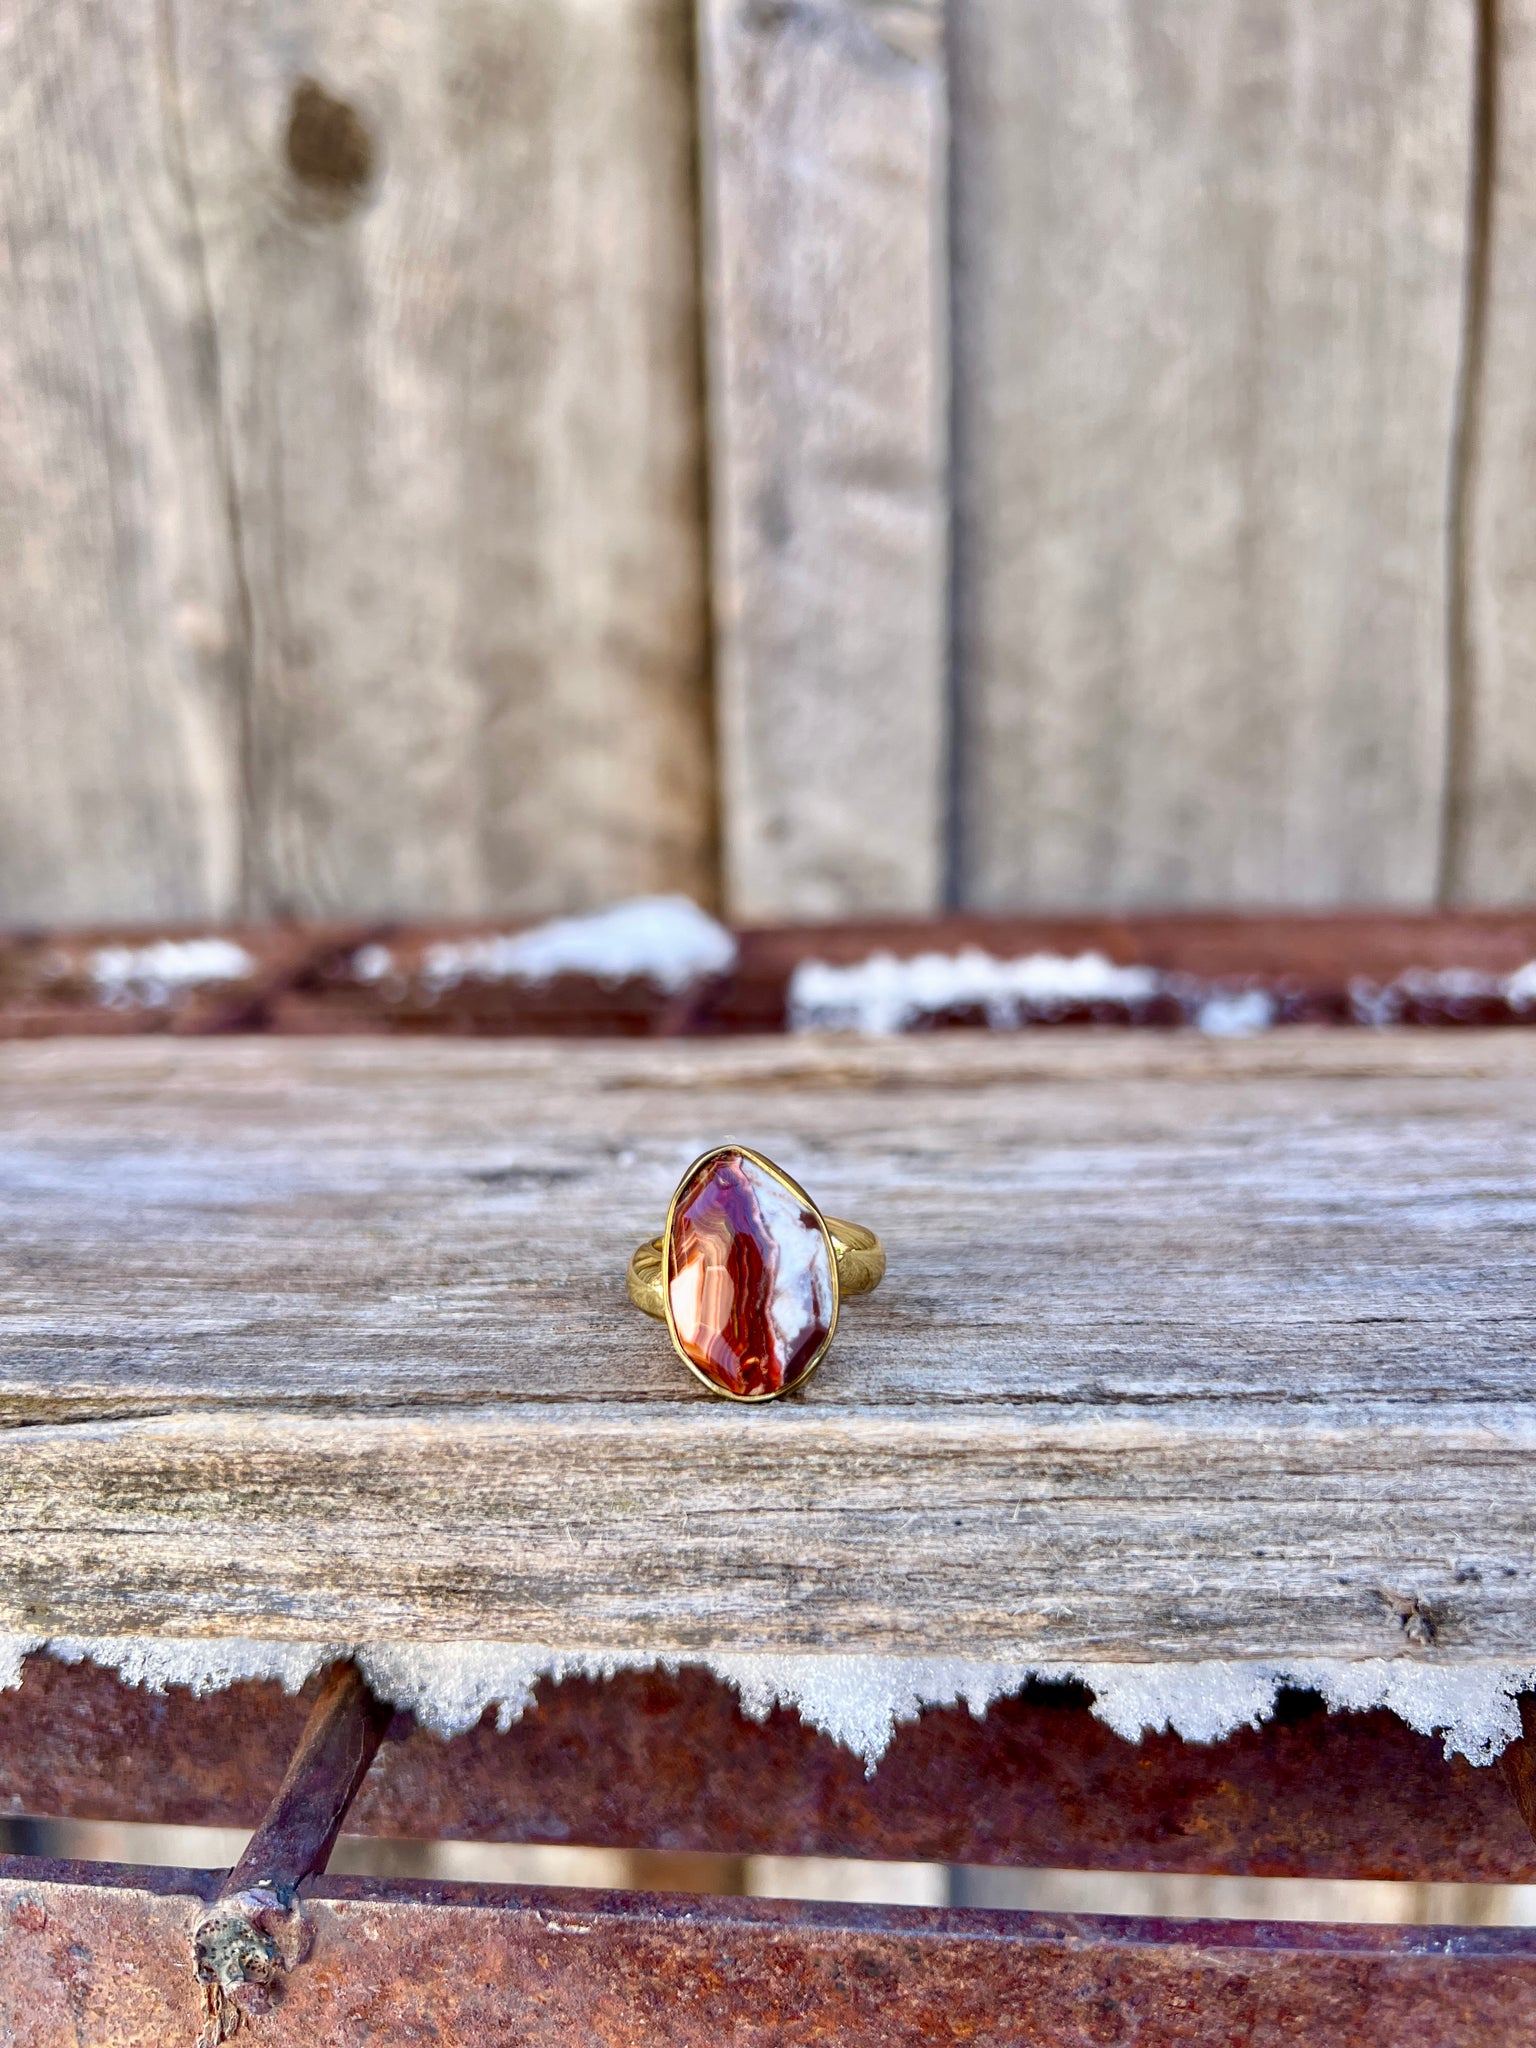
x,y
661,1760
459,1964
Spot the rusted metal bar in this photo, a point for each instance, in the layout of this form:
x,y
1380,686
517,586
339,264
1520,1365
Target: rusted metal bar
x,y
667,1760
256,1930
114,981
1430,969
459,1965
341,1738
1518,1764
1426,969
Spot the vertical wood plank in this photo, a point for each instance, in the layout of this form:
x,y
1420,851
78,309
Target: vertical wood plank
x,y
452,257
824,138
1209,275
121,656
1491,851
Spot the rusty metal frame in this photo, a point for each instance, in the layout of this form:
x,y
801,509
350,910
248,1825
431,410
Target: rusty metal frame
x,y
667,1760
101,1955
304,978
122,1957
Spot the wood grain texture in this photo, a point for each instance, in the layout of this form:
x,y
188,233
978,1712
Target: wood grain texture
x,y
119,630
1186,1349
1209,271
353,488
463,391
1491,857
824,141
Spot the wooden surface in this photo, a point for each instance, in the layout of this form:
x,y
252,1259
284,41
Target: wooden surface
x,y
119,683
1186,1349
824,152
357,453
1491,855
354,496
1209,277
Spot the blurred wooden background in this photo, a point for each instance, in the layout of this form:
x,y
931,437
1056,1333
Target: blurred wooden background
x,y
830,456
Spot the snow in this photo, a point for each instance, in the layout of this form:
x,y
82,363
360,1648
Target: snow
x,y
150,976
858,1700
1236,1014
373,963
1382,1005
882,994
665,940
1474,1708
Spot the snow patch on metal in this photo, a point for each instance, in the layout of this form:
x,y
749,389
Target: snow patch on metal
x,y
856,1700
883,995
148,977
665,940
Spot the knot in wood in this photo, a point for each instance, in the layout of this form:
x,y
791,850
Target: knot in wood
x,y
330,149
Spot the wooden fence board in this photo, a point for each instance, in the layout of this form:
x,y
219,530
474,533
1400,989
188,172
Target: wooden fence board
x,y
1209,291
120,645
462,385
353,492
1186,1350
1491,857
824,137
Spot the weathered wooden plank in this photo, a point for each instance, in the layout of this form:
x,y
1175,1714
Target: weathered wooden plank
x,y
824,153
353,494
1491,855
121,654
1186,1349
452,270
101,1952
1209,275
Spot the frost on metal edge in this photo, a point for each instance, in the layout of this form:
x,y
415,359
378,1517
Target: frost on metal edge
x,y
202,1666
666,940
882,994
150,976
1472,1707
857,1700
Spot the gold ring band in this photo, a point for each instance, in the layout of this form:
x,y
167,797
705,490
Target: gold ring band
x,y
749,1275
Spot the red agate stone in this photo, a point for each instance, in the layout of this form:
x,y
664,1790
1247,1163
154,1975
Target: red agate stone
x,y
749,1277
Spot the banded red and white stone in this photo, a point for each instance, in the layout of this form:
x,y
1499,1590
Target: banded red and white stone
x,y
749,1277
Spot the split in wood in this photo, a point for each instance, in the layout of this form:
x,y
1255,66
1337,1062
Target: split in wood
x,y
255,1930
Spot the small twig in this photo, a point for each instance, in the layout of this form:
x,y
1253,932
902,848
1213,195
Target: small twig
x,y
255,1930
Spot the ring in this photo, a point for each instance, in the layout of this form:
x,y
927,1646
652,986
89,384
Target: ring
x,y
748,1275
